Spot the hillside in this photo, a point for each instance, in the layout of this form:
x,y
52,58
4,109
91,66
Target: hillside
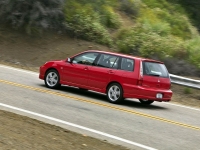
x,y
161,29
33,32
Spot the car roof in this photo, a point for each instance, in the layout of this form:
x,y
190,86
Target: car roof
x,y
124,55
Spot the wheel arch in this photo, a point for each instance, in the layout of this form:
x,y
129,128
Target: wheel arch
x,y
114,82
52,68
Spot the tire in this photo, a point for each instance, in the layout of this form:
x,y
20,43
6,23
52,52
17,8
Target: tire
x,y
146,101
115,93
52,79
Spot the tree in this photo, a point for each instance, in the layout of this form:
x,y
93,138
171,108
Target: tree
x,y
32,14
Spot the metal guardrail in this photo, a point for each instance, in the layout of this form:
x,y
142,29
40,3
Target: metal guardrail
x,y
185,81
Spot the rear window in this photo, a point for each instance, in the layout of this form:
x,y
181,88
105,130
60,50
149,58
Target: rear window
x,y
155,69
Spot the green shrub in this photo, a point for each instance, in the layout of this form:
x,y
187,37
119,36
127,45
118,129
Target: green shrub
x,y
88,27
193,48
160,27
146,43
109,18
187,90
32,15
167,21
130,7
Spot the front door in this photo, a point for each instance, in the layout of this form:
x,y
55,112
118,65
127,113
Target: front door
x,y
76,72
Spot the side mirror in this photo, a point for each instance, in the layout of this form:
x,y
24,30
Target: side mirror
x,y
69,60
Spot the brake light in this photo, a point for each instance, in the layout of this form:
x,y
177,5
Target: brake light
x,y
141,74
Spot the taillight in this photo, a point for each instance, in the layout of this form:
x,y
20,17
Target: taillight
x,y
141,74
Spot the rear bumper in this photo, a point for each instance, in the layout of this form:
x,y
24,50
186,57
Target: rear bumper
x,y
150,94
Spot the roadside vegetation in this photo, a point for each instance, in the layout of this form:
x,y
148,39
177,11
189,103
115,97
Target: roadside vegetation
x,y
167,30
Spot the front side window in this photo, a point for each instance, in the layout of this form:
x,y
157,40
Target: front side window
x,y
127,64
86,58
108,61
155,69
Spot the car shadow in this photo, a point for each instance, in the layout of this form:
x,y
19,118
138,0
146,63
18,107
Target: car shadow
x,y
136,104
102,97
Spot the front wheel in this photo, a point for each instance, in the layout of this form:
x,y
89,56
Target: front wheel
x,y
52,79
146,101
115,93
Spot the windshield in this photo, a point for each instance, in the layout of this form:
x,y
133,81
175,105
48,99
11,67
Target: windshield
x,y
155,69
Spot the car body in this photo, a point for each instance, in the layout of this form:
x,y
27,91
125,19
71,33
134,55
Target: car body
x,y
118,75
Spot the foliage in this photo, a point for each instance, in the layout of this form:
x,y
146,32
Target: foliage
x,y
84,24
32,15
102,8
88,27
193,47
192,9
187,90
130,7
142,41
166,15
109,18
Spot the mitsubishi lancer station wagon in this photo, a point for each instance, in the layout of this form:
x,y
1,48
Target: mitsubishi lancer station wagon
x,y
119,76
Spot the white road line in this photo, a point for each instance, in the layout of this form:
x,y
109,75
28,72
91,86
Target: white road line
x,y
78,126
34,73
21,70
192,108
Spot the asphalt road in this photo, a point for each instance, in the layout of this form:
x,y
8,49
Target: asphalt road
x,y
159,126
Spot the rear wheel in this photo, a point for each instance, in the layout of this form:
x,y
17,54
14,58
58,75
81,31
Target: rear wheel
x,y
146,101
115,93
52,79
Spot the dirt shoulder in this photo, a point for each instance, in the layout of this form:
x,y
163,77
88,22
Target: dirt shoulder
x,y
22,133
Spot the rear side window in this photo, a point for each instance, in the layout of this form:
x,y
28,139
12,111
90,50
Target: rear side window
x,y
127,64
108,61
155,69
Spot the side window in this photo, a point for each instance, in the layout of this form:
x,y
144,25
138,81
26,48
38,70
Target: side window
x,y
127,64
86,58
108,61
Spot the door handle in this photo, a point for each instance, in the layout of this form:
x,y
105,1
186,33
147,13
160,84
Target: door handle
x,y
86,68
110,72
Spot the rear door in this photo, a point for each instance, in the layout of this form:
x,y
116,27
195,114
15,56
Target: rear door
x,y
155,75
129,75
103,71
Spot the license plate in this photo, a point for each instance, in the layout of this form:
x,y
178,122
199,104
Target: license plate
x,y
159,96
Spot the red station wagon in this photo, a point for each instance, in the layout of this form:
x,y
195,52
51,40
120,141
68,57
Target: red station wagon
x,y
119,76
